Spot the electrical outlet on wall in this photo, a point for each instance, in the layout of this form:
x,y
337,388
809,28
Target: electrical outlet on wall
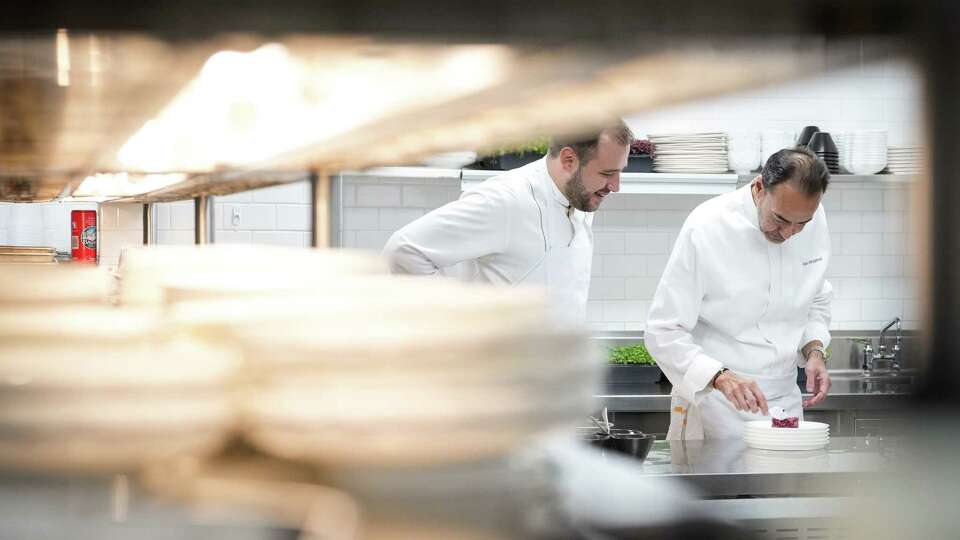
x,y
235,217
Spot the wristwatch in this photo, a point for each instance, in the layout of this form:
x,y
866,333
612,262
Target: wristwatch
x,y
713,381
818,348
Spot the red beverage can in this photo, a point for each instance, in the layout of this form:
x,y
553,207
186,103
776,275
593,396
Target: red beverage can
x,y
83,235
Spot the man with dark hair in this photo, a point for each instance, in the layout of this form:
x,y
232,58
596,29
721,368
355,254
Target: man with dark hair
x,y
743,302
527,225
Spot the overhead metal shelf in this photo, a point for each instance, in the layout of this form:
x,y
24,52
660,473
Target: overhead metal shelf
x,y
327,104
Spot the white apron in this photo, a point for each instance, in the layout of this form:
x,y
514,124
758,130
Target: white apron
x,y
566,269
716,418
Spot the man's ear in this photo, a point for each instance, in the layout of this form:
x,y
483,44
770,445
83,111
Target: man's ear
x,y
568,159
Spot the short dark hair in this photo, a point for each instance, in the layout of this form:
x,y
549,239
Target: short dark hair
x,y
798,165
586,149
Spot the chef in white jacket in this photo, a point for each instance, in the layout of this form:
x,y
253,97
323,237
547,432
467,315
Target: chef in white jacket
x,y
743,302
530,225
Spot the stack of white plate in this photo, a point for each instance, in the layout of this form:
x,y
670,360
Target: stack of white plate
x,y
808,436
905,159
52,286
102,389
774,462
402,371
156,275
868,151
27,255
690,153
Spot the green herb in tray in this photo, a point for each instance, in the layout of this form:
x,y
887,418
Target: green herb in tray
x,y
631,354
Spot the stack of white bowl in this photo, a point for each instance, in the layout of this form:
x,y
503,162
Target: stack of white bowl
x,y
844,149
808,436
744,150
868,152
905,159
93,388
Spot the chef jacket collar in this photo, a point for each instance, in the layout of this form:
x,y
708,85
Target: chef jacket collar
x,y
549,186
749,208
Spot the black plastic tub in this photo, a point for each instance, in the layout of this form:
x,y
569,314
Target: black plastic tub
x,y
633,374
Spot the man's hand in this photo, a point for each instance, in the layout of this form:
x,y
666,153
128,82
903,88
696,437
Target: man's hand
x,y
818,380
744,393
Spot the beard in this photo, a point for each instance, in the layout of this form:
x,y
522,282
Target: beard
x,y
577,194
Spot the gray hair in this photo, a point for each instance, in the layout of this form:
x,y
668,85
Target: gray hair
x,y
799,165
587,149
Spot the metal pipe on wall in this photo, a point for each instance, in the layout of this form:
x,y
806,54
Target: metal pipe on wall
x,y
148,224
203,212
321,198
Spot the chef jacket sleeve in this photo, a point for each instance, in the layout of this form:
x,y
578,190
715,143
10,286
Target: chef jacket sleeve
x,y
818,320
673,315
474,226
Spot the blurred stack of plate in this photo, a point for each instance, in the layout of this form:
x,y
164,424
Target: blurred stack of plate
x,y
745,152
808,436
409,393
868,152
156,275
431,372
690,153
101,389
34,255
905,159
53,286
775,462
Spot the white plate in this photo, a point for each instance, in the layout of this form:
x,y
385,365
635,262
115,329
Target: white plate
x,y
797,437
785,446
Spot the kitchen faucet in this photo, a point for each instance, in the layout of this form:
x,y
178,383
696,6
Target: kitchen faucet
x,y
871,361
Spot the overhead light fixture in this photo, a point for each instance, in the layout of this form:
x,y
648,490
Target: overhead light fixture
x,y
246,107
116,185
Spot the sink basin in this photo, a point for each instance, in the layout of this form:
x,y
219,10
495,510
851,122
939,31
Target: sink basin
x,y
882,382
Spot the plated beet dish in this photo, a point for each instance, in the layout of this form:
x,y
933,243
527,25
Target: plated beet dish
x,y
781,420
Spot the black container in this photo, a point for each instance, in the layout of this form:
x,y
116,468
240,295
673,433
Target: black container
x,y
822,142
637,445
806,135
639,163
633,374
512,161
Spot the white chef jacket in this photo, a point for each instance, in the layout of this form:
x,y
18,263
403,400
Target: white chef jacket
x,y
498,229
731,298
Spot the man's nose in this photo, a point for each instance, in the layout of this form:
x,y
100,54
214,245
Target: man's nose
x,y
614,184
789,231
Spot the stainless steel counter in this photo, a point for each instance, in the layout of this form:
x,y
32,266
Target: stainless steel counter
x,y
845,394
848,466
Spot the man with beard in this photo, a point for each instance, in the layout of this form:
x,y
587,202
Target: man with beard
x,y
744,301
530,225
